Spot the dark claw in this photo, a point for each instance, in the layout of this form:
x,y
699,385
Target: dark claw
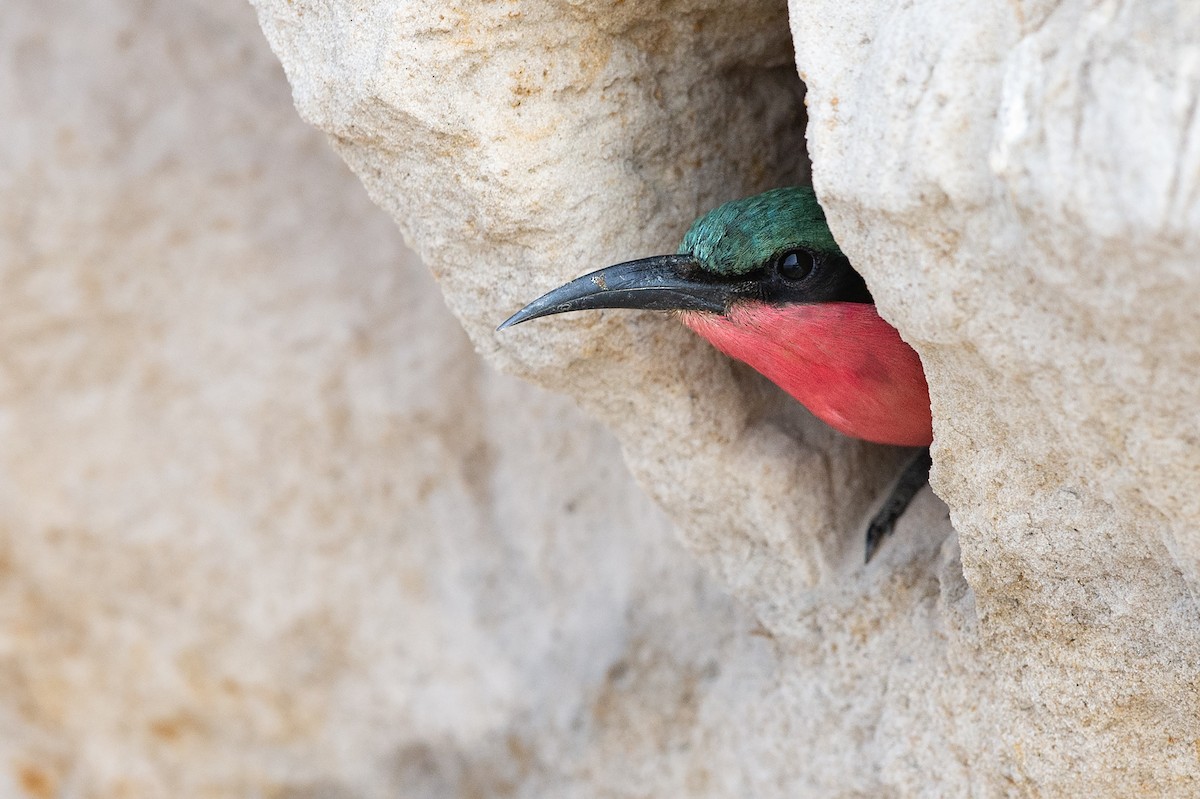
x,y
912,479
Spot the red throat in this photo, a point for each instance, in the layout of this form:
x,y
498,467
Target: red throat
x,y
840,359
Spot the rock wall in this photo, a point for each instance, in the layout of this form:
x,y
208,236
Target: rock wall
x,y
1022,183
1017,182
271,529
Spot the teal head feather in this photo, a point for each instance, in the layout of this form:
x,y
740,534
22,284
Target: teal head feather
x,y
741,236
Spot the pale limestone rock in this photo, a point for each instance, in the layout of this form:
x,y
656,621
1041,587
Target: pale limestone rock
x,y
271,530
269,526
575,136
1021,185
1018,184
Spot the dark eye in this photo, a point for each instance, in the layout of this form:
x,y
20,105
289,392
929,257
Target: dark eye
x,y
795,264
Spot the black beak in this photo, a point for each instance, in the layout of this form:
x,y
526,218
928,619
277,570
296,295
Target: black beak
x,y
661,283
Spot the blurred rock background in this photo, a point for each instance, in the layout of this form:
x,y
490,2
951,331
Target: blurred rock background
x,y
270,528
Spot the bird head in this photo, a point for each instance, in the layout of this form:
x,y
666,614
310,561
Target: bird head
x,y
773,248
763,281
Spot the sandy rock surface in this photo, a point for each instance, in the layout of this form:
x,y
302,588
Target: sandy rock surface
x,y
1024,190
272,529
1018,184
578,136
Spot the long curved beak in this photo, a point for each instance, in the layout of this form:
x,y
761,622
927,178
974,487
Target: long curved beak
x,y
660,283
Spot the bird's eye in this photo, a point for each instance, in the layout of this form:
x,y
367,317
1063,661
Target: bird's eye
x,y
795,264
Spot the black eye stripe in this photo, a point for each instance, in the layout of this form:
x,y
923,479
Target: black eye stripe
x,y
801,276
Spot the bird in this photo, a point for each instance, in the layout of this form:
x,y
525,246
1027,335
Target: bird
x,y
763,280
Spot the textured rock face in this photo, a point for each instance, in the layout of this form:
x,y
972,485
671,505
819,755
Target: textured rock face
x,y
1024,189
271,529
577,135
1018,184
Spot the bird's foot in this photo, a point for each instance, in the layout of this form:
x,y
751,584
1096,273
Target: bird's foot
x,y
912,479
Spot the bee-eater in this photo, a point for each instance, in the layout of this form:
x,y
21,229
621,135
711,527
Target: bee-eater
x,y
763,280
